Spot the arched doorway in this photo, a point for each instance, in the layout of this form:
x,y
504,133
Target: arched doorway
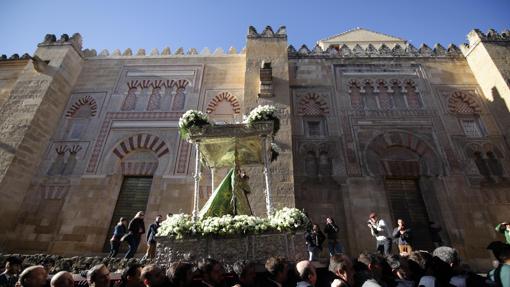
x,y
138,159
403,160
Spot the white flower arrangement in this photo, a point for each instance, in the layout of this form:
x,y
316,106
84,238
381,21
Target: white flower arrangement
x,y
192,118
263,114
289,219
181,225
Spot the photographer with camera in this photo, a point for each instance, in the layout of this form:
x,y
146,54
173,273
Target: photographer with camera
x,y
380,231
331,230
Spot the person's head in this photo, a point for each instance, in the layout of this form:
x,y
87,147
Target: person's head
x,y
496,247
245,271
48,264
504,254
33,276
211,270
306,272
131,275
277,267
180,274
330,220
159,218
373,216
419,264
98,276
399,266
13,265
315,228
123,221
153,276
341,266
62,279
400,222
140,214
374,263
447,254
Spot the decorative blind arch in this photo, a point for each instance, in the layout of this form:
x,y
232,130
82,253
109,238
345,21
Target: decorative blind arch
x,y
86,100
461,102
312,105
224,96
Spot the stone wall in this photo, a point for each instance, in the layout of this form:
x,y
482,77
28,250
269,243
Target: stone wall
x,y
339,144
86,159
271,47
28,119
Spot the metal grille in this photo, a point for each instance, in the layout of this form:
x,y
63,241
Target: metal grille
x,y
133,197
406,202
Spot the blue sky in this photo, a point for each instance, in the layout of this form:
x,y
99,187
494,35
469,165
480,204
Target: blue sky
x,y
198,24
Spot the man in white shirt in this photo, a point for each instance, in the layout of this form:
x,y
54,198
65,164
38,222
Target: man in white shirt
x,y
381,232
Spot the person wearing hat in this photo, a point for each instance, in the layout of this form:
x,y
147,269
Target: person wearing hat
x,y
380,231
504,227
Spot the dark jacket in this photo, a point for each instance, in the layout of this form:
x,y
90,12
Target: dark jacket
x,y
153,230
331,231
7,282
403,238
118,232
314,240
136,227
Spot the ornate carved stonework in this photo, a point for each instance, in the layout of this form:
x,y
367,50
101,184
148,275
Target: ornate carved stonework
x,y
462,102
312,105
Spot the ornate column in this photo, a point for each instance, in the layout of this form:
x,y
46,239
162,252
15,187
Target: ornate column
x,y
212,178
269,204
196,176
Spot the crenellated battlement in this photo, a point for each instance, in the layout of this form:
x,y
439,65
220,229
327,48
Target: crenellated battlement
x,y
51,40
14,57
492,35
476,36
91,53
267,33
381,51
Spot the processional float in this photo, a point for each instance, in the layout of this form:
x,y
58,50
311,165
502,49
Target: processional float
x,y
230,146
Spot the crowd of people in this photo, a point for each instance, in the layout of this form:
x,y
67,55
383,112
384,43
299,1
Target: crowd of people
x,y
408,268
440,268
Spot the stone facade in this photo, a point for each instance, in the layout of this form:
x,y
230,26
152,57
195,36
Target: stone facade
x,y
368,123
